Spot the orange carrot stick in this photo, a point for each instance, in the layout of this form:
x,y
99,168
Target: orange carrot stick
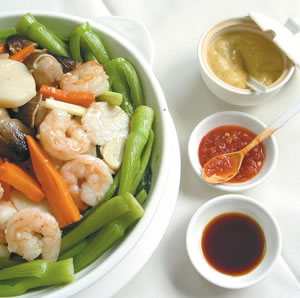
x,y
78,98
2,48
21,180
6,187
23,54
55,188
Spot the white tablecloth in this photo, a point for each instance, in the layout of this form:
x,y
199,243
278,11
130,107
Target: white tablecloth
x,y
175,27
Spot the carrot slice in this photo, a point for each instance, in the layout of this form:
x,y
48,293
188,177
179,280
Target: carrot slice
x,y
2,48
23,54
21,180
6,187
55,188
78,98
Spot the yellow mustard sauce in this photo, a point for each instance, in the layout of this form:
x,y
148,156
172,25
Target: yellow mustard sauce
x,y
235,55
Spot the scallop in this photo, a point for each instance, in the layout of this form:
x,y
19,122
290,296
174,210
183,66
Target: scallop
x,y
20,202
17,85
104,122
113,151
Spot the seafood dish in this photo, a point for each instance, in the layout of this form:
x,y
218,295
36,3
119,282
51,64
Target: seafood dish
x,y
76,140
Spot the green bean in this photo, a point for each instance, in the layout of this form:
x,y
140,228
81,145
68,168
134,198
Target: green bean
x,y
93,41
109,234
29,27
142,196
6,33
133,82
113,98
86,52
144,162
35,268
140,127
146,180
5,263
75,47
72,252
124,79
55,273
101,216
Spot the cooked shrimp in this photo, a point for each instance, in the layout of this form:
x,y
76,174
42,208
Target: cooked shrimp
x,y
104,122
88,77
62,137
32,232
88,178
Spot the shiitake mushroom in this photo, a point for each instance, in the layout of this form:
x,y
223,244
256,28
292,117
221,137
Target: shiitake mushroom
x,y
12,140
27,113
15,43
67,64
45,69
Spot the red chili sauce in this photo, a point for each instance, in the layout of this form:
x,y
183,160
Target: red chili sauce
x,y
230,138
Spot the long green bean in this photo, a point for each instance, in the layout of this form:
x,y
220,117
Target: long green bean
x,y
5,263
124,79
140,127
75,250
142,196
93,41
109,234
101,216
144,162
4,33
29,27
35,268
56,273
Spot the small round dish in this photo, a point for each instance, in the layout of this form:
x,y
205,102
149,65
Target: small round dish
x,y
226,92
241,204
240,119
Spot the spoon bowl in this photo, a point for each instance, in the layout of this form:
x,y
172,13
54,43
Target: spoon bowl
x,y
223,167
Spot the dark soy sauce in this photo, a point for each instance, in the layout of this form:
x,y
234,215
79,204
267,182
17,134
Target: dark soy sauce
x,y
233,243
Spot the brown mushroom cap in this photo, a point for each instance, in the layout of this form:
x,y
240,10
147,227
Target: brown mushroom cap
x,y
15,43
12,140
27,112
45,69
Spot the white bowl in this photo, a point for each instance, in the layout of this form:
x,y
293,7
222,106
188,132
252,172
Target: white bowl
x,y
240,119
224,91
117,45
240,204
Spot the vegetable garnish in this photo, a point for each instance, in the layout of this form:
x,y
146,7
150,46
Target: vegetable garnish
x,y
21,180
78,98
23,54
2,48
124,79
140,126
67,107
56,190
29,27
102,215
56,273
85,34
104,238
